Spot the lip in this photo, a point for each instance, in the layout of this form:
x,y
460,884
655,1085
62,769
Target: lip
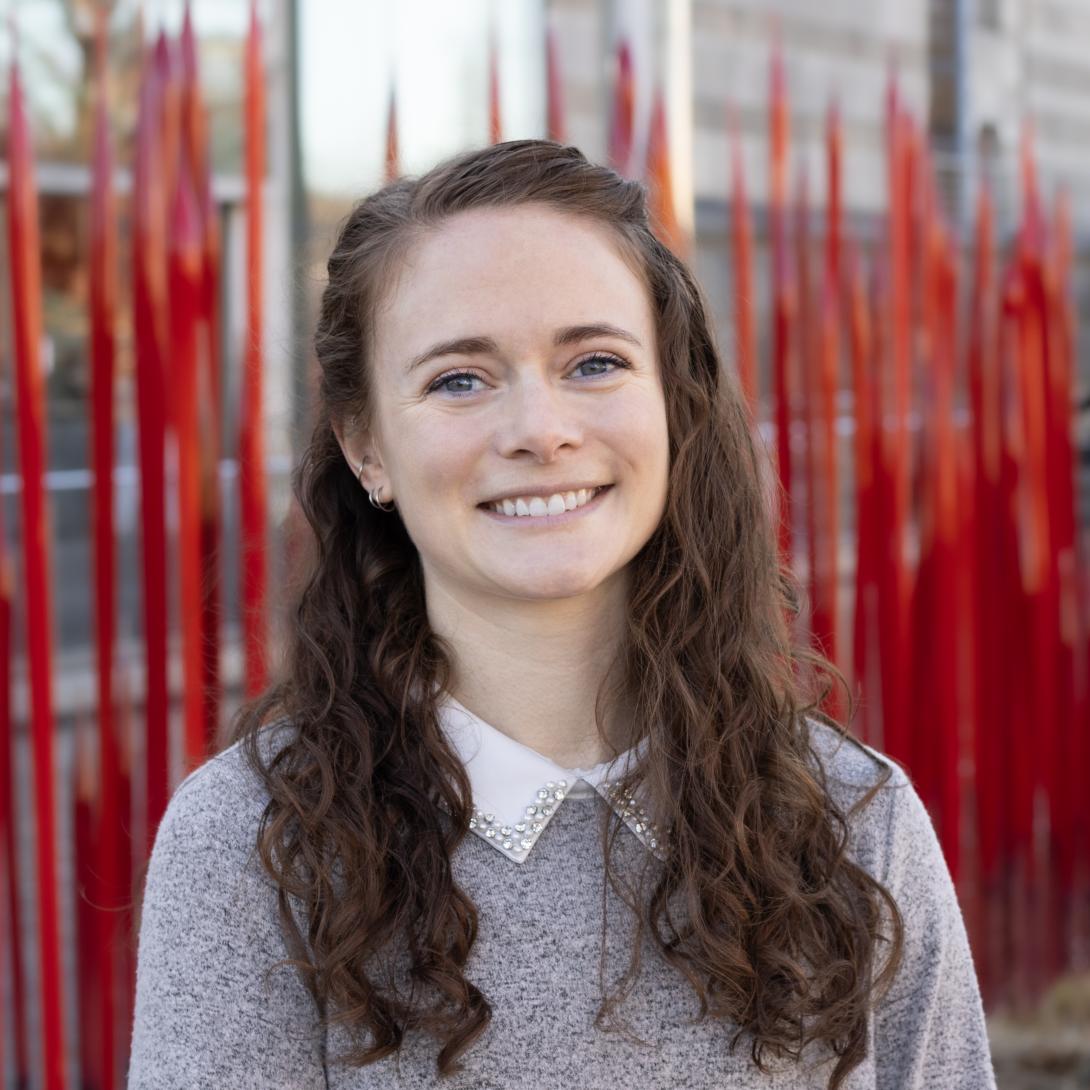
x,y
544,494
548,520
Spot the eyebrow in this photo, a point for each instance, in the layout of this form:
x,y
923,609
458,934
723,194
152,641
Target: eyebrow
x,y
478,346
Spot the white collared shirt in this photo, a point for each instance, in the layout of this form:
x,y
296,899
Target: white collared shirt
x,y
516,790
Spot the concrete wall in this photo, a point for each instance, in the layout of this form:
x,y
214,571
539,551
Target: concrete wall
x,y
838,48
1033,60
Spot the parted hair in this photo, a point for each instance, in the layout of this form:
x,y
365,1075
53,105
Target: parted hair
x,y
781,932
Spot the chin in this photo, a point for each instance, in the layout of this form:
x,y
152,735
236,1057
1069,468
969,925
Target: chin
x,y
546,586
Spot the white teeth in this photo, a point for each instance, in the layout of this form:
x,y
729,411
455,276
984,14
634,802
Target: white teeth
x,y
537,506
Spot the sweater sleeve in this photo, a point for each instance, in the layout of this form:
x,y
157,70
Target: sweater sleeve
x,y
930,1029
204,1014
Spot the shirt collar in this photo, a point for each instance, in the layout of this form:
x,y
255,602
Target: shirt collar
x,y
517,791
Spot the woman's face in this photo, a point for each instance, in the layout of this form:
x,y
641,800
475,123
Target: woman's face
x,y
515,359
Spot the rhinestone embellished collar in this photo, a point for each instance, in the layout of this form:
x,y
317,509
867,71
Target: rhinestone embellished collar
x,y
517,791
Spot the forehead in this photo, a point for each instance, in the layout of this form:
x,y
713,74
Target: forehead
x,y
510,273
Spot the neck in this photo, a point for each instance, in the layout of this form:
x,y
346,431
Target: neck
x,y
532,669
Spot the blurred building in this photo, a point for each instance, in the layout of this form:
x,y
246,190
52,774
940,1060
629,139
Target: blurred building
x,y
970,70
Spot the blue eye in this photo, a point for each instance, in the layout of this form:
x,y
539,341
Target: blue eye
x,y
601,357
443,381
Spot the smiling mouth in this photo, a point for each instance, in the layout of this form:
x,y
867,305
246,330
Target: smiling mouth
x,y
539,509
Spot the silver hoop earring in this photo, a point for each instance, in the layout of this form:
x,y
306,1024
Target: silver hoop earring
x,y
372,495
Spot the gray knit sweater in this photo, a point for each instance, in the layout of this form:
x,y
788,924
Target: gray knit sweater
x,y
209,929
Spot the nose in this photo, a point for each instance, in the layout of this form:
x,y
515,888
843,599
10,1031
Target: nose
x,y
538,419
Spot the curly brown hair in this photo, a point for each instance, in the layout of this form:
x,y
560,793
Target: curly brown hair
x,y
781,926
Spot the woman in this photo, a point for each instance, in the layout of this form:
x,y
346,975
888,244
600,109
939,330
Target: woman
x,y
539,798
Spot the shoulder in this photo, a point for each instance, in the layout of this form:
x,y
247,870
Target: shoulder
x,y
874,793
218,1001
220,803
850,763
931,1021
231,768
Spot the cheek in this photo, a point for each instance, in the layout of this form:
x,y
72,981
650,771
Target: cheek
x,y
638,426
438,453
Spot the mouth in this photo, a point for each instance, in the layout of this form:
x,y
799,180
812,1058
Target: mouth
x,y
542,511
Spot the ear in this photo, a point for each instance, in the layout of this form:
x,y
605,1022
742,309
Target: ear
x,y
360,450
